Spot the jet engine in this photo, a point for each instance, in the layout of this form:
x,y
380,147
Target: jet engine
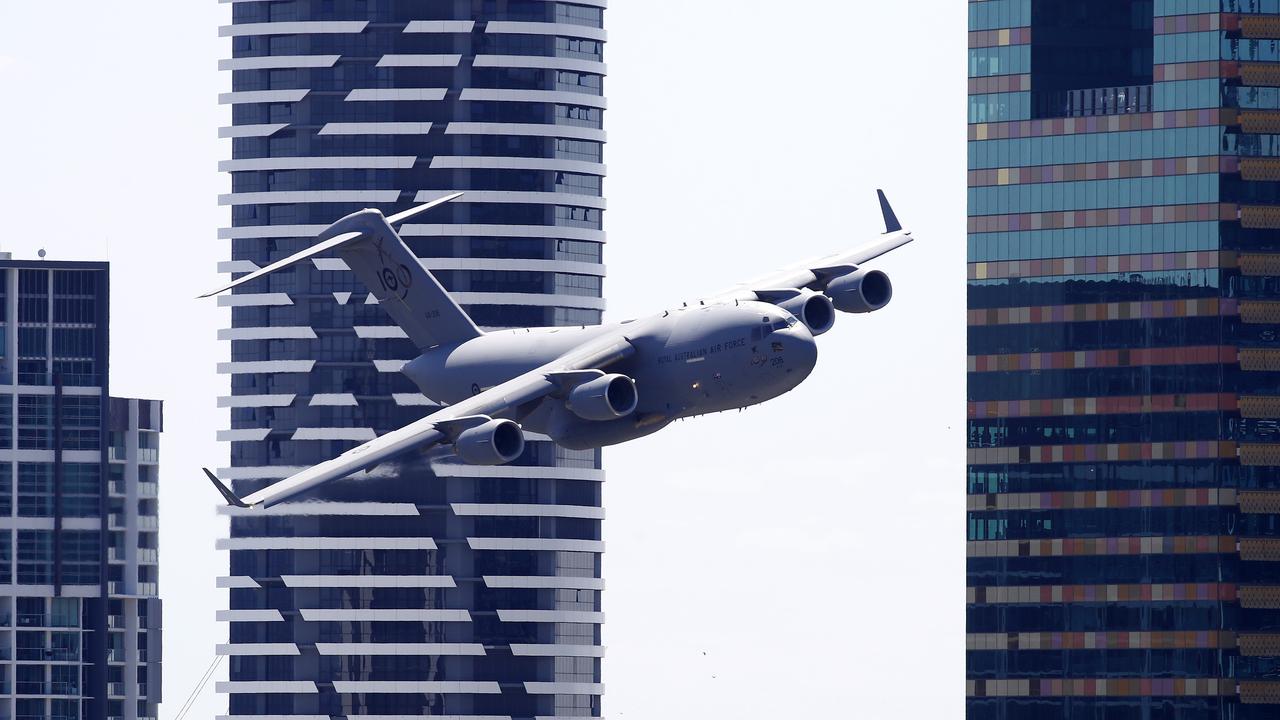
x,y
608,397
496,442
860,291
813,309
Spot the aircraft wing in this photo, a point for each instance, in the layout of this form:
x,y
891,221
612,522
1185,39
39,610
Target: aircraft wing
x,y
816,272
441,426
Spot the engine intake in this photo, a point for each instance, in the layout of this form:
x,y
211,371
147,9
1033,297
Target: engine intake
x,y
496,442
813,309
605,398
861,291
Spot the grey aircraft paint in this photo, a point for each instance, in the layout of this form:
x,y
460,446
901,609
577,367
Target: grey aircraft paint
x,y
584,387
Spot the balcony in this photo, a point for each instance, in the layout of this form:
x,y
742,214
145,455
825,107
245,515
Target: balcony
x,y
149,588
116,554
115,689
116,622
31,620
148,456
116,487
148,489
1092,102
148,522
150,556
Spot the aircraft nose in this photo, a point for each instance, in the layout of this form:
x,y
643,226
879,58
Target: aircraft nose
x,y
800,350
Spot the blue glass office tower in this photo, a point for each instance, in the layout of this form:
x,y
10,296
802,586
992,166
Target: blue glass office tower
x,y
427,587
1124,349
79,612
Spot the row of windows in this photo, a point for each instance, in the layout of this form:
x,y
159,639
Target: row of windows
x,y
1189,47
1070,430
992,14
1181,663
1090,241
1153,475
1092,194
1006,60
1081,289
1110,335
384,12
1096,147
1187,95
999,107
1111,708
424,147
1112,522
1095,570
1101,617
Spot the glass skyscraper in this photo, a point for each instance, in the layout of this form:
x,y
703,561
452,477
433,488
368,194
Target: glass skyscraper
x,y
1123,358
79,612
426,587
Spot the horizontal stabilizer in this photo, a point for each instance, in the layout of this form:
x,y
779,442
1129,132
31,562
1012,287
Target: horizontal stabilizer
x,y
329,244
226,492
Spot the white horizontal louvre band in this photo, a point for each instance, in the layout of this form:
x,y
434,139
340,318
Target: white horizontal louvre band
x,y
519,198
254,300
342,298
251,401
411,399
552,232
335,433
512,27
443,687
533,96
376,128
563,688
419,61
528,510
549,544
440,26
383,615
244,97
237,266
288,197
335,162
257,687
253,367
257,649
515,163
355,648
529,300
333,400
245,435
389,365
267,333
326,543
551,616
258,472
270,231
257,130
237,581
378,332
531,129
434,264
396,94
369,581
302,27
278,62
274,717
541,582
371,509
458,469
557,650
249,616
541,62
419,717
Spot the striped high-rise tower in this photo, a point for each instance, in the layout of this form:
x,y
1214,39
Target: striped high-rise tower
x,y
418,589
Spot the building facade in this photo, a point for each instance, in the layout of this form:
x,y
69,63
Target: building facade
x,y
425,587
79,612
1123,301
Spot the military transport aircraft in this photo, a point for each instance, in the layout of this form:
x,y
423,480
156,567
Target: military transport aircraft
x,y
584,387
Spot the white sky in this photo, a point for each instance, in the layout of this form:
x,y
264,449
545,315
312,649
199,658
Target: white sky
x,y
804,557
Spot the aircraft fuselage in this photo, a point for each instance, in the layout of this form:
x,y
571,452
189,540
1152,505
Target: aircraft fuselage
x,y
689,361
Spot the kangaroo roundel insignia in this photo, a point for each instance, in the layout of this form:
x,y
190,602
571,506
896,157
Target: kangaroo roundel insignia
x,y
389,279
405,278
475,388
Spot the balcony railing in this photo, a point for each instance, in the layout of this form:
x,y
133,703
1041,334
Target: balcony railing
x,y
148,489
1092,102
148,555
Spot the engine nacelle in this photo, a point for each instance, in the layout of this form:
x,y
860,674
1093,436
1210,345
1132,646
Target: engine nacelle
x,y
605,398
860,291
815,310
496,442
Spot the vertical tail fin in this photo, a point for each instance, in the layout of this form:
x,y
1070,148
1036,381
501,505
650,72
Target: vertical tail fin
x,y
406,290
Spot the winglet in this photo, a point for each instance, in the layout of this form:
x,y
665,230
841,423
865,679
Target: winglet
x,y
229,496
891,223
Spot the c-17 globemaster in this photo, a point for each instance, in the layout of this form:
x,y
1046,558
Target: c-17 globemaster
x,y
584,387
